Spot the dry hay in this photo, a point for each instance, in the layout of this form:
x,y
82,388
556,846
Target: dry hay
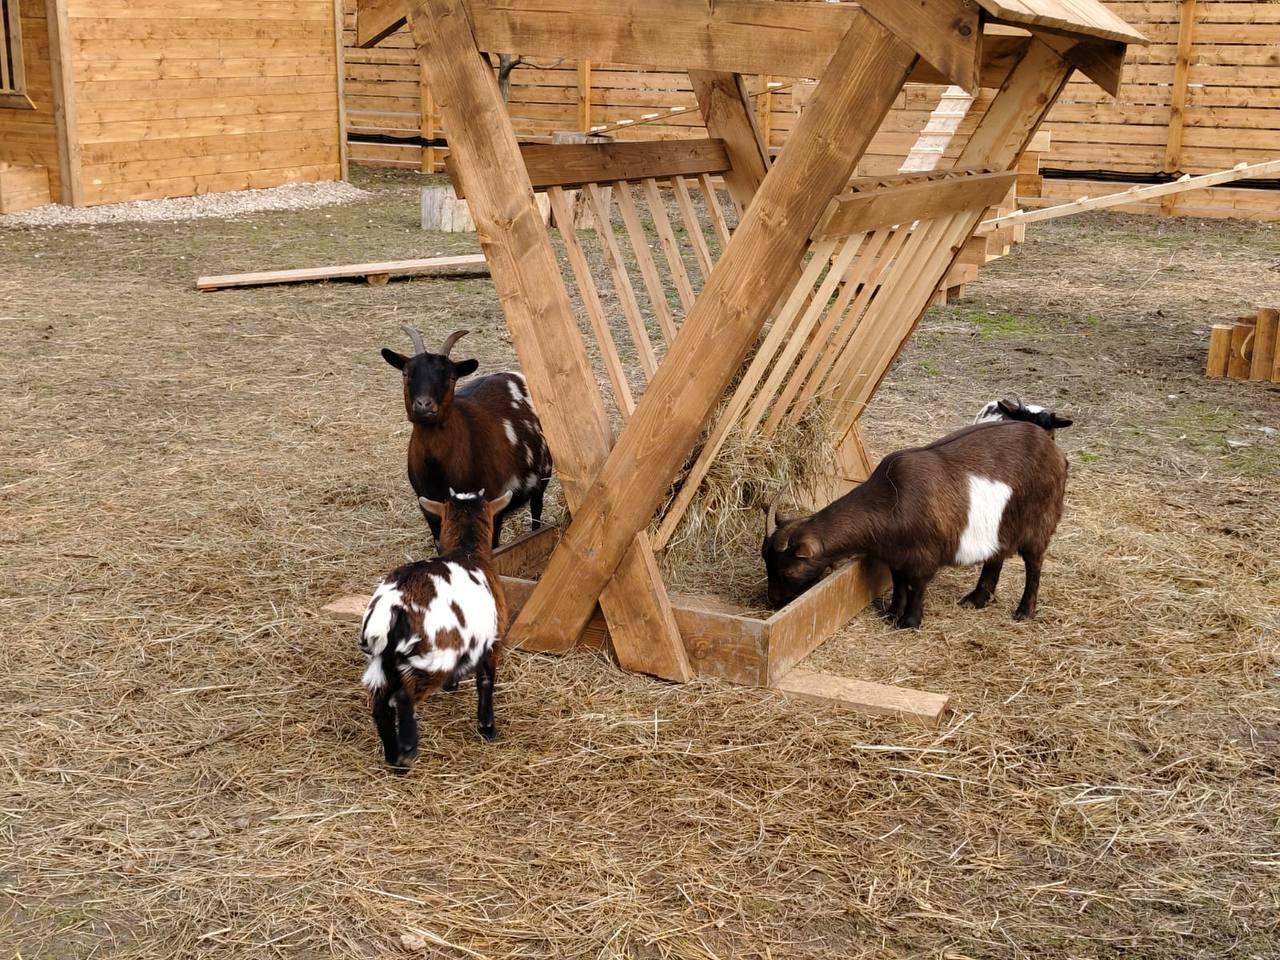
x,y
716,546
189,769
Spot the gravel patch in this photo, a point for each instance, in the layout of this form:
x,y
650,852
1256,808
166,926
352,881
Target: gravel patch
x,y
291,196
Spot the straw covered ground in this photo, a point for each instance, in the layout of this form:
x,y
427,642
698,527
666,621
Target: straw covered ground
x,y
188,767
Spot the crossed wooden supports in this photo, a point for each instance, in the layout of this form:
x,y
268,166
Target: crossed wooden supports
x,y
613,488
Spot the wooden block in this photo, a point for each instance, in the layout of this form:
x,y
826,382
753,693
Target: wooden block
x,y
469,265
1219,350
1238,361
859,695
23,187
1264,344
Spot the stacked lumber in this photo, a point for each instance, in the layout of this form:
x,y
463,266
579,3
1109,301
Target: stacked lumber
x,y
1246,349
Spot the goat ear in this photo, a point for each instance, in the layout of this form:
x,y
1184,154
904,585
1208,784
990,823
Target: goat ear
x,y
1060,422
806,547
1009,407
433,507
397,360
790,516
464,367
500,504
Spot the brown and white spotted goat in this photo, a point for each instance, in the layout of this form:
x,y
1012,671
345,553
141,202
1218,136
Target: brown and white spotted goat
x,y
432,623
483,435
978,495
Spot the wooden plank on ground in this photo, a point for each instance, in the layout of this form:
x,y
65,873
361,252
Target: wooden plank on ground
x,y
468,265
865,697
575,164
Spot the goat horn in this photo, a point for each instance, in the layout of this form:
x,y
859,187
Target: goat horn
x,y
416,336
771,520
450,340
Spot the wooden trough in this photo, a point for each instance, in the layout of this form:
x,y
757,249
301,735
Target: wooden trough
x,y
804,305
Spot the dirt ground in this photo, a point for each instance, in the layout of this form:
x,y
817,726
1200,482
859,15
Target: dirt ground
x,y
189,769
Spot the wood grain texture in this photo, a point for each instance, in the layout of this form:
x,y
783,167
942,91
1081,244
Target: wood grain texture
x,y
862,696
894,203
728,114
1219,350
577,164
1264,345
851,100
468,265
544,331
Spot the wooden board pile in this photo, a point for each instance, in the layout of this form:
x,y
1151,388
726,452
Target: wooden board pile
x,y
1246,349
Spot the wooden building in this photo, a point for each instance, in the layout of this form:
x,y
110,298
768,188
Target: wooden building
x,y
138,99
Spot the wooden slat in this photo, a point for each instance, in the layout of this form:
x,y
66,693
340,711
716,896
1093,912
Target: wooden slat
x,y
575,164
862,696
1239,359
798,336
599,203
1083,18
1219,350
563,212
946,33
713,210
644,259
1264,344
692,225
545,333
861,211
65,105
800,293
882,260
469,265
670,246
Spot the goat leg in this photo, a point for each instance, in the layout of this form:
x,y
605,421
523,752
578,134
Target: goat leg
x,y
981,595
407,729
1032,560
486,674
898,605
535,505
384,718
914,613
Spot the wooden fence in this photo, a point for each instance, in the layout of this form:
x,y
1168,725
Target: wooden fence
x,y
1204,96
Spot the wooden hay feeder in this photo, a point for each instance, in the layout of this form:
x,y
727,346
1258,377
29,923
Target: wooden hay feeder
x,y
810,298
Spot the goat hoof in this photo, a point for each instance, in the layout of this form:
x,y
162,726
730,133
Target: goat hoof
x,y
1024,613
450,685
975,599
402,766
489,733
907,622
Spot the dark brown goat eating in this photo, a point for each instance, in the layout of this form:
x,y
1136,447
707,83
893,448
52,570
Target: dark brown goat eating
x,y
432,623
483,434
979,495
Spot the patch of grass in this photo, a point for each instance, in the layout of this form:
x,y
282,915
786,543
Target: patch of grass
x,y
1088,456
1004,326
1205,426
931,368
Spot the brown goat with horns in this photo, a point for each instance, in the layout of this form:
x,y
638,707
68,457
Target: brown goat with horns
x,y
978,495
483,435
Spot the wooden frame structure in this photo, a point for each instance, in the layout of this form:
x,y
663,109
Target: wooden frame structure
x,y
834,274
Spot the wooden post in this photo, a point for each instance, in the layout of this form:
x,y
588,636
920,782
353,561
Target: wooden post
x,y
1219,350
427,125
544,330
1238,361
727,112
339,41
584,96
1264,345
861,83
1178,98
64,104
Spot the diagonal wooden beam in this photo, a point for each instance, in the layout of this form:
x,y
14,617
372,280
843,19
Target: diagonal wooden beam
x,y
542,322
729,116
854,95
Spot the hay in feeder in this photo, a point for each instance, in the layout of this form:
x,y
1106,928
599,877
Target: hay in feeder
x,y
716,547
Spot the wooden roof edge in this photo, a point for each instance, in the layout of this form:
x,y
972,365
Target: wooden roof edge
x,y
1080,19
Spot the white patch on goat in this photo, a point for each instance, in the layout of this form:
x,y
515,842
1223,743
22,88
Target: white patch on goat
x,y
528,454
469,591
989,413
531,481
517,394
465,496
374,630
981,538
511,431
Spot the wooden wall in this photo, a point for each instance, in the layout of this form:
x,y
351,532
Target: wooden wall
x,y
30,136
1228,101
176,97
